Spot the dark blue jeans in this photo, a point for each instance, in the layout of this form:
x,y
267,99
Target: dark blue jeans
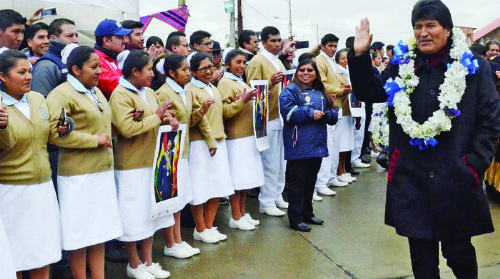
x,y
300,179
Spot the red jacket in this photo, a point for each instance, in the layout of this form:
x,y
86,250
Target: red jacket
x,y
108,80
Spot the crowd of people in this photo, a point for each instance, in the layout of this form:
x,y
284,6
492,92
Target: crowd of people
x,y
78,129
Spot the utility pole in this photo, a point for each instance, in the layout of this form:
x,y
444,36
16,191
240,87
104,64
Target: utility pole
x,y
290,16
229,8
317,34
182,3
240,18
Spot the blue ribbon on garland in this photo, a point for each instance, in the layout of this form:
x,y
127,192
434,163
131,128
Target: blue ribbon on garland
x,y
423,144
452,112
471,64
391,88
399,54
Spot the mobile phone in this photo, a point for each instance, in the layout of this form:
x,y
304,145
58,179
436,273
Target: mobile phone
x,y
62,119
48,12
302,44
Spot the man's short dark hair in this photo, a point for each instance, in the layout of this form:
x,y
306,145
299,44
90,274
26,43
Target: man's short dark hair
x,y
9,17
198,36
244,37
176,33
389,48
434,10
132,24
329,38
153,40
33,29
268,31
492,42
478,48
174,39
55,26
377,46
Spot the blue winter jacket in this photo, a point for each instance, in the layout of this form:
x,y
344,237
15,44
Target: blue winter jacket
x,y
303,136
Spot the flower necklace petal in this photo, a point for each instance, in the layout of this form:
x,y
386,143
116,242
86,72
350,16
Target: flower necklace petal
x,y
452,90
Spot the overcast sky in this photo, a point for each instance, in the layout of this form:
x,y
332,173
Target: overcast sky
x,y
390,19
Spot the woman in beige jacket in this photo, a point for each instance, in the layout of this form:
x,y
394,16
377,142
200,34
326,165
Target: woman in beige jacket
x,y
210,178
187,111
85,178
134,155
28,203
245,163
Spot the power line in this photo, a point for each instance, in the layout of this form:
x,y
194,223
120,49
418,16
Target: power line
x,y
262,14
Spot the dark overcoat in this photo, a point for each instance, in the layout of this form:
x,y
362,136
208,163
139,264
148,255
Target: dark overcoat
x,y
437,193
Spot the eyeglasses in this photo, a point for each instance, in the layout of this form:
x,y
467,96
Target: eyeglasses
x,y
208,44
184,45
255,42
207,68
303,70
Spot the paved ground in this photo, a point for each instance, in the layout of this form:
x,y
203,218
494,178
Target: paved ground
x,y
353,243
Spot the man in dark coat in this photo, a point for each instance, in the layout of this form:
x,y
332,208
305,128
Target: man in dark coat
x,y
435,195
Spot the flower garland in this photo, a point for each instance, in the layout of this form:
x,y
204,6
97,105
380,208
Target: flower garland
x,y
380,125
452,90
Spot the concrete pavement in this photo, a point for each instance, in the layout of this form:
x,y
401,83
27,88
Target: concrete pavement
x,y
353,243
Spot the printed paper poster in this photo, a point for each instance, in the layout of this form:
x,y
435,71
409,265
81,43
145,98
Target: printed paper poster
x,y
260,113
167,189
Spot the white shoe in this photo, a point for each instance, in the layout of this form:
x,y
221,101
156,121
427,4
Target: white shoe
x,y
139,272
358,164
350,177
218,234
157,271
337,183
241,224
205,236
374,154
188,247
178,251
282,204
316,197
343,178
325,191
271,211
250,220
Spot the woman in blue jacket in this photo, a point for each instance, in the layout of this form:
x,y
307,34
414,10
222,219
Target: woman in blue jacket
x,y
306,108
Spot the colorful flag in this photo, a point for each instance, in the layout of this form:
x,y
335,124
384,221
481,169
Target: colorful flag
x,y
176,18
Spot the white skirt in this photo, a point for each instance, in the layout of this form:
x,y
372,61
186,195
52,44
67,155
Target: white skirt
x,y
6,264
134,202
210,176
32,223
89,209
345,132
245,164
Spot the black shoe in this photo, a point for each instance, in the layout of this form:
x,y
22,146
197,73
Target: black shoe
x,y
366,159
314,221
353,171
223,200
61,270
115,252
301,227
